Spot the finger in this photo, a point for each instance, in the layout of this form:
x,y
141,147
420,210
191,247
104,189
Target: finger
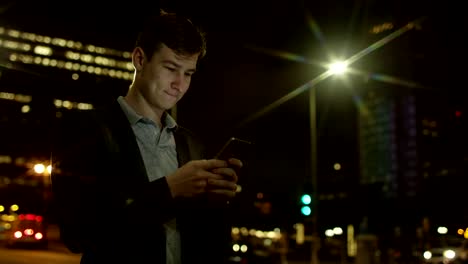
x,y
214,163
207,175
202,174
226,172
235,162
222,184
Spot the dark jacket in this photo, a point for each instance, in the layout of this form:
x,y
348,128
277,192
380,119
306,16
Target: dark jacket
x,y
109,211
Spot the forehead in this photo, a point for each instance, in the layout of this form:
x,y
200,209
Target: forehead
x,y
165,54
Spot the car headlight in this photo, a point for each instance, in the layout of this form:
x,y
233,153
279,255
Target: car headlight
x,y
450,254
427,255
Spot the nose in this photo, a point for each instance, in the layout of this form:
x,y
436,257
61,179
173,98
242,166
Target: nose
x,y
179,81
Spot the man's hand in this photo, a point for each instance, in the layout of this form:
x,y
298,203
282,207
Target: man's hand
x,y
226,184
199,176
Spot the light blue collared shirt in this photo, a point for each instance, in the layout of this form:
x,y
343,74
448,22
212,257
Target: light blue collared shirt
x,y
158,150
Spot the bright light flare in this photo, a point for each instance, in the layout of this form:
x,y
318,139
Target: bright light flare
x,y
39,168
338,67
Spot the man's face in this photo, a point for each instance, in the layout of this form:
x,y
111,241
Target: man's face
x,y
166,78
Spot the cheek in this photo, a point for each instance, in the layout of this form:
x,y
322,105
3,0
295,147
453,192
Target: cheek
x,y
185,85
181,93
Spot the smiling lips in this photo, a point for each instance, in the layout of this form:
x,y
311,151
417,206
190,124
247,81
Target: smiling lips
x,y
172,94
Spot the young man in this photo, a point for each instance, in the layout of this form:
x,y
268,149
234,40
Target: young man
x,y
138,187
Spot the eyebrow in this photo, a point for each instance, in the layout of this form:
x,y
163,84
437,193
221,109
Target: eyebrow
x,y
178,65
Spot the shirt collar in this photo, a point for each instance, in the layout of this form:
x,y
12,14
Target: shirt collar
x,y
134,117
169,121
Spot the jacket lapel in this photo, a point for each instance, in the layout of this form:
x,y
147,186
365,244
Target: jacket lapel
x,y
122,143
182,148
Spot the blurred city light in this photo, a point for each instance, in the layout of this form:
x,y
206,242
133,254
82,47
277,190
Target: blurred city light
x,y
337,231
427,255
40,168
337,166
300,236
329,233
442,230
351,244
243,248
25,109
235,247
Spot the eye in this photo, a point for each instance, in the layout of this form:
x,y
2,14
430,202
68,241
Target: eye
x,y
170,69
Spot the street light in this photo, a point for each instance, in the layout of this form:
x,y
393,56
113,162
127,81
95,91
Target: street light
x,y
337,67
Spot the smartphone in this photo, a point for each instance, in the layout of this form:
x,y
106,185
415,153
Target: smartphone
x,y
234,148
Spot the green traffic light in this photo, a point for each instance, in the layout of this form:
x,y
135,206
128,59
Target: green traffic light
x,y
305,210
306,199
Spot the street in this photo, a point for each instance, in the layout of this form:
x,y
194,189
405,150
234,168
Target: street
x,y
56,253
27,256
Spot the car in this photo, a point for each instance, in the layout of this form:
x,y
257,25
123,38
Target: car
x,y
27,230
23,212
440,255
444,250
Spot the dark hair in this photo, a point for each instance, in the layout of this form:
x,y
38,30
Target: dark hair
x,y
176,32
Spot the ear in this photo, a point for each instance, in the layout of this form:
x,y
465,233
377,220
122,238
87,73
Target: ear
x,y
138,58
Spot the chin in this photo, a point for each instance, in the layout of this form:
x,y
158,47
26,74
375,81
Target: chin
x,y
168,108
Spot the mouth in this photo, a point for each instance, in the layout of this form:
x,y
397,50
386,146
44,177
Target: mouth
x,y
172,94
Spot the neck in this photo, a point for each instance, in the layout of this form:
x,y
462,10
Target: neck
x,y
142,107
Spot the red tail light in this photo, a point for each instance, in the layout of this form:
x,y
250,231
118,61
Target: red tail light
x,y
30,217
38,236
